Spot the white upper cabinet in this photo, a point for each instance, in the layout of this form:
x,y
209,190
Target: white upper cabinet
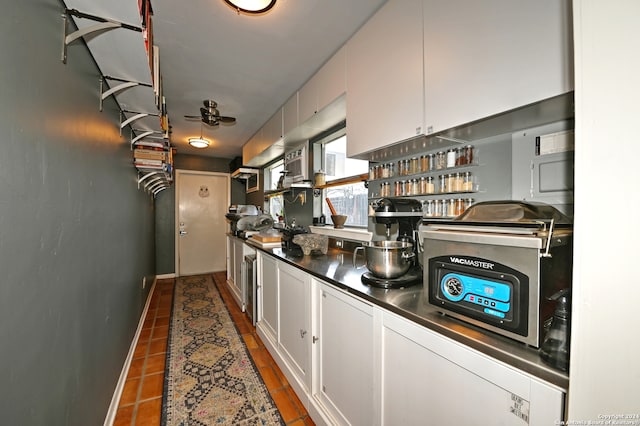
x,y
385,91
332,78
323,88
290,114
272,130
487,57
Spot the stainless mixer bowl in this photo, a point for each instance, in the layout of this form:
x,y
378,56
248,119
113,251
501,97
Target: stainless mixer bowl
x,y
387,259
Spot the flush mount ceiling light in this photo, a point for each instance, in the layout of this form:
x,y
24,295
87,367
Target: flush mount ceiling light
x,y
199,142
251,6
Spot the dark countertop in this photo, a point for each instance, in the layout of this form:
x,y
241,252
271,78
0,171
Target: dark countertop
x,y
336,268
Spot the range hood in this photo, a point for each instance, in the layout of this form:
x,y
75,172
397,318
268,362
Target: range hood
x,y
244,173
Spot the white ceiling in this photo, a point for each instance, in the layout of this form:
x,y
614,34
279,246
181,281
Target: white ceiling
x,y
250,65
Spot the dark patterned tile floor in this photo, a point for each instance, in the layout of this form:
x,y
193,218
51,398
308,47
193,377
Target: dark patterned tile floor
x,y
141,400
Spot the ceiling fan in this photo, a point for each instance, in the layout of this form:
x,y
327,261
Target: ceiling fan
x,y
210,114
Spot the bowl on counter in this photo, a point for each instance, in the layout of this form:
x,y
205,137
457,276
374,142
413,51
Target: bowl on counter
x,y
338,220
387,259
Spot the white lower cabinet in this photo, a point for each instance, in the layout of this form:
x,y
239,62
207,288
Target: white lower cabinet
x,y
295,321
267,278
429,379
353,363
236,249
344,350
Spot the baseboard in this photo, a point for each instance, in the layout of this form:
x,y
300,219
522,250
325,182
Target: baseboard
x,y
115,400
164,276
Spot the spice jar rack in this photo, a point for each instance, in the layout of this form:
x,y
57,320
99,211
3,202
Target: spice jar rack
x,y
440,173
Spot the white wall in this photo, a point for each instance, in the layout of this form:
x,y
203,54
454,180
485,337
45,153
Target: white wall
x,y
605,366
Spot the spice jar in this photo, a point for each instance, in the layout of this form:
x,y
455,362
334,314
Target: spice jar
x,y
427,208
459,207
414,166
459,156
423,185
424,163
437,207
415,187
390,169
397,188
451,207
451,158
430,187
442,183
407,187
431,160
456,185
468,154
467,182
450,183
441,160
385,189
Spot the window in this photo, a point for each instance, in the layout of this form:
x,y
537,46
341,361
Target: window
x,y
272,175
275,203
335,162
348,195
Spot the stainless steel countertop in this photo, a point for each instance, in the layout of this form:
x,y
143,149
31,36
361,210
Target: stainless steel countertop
x,y
336,268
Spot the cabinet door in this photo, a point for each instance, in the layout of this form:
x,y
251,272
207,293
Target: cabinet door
x,y
230,259
295,320
344,353
272,130
484,58
308,100
236,284
268,295
385,101
426,376
290,114
332,79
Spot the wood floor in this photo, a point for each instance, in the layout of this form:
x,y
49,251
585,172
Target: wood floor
x,y
141,400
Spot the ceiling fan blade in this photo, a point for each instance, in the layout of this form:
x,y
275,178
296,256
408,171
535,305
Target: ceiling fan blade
x,y
193,117
226,119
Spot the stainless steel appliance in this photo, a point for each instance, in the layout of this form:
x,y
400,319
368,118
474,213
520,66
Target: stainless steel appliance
x,y
238,212
497,264
296,165
407,213
249,287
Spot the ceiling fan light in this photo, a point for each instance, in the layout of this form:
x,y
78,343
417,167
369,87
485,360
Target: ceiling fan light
x,y
251,6
199,142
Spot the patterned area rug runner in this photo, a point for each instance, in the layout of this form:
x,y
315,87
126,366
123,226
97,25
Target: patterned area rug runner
x,y
210,379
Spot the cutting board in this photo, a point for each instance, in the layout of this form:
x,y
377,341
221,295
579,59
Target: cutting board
x,y
266,238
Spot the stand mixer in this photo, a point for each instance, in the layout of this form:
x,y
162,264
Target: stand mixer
x,y
407,213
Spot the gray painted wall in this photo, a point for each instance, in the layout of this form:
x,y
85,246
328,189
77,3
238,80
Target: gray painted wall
x,y
76,235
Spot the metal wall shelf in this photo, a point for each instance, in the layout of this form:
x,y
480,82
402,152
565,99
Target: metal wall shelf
x,y
121,42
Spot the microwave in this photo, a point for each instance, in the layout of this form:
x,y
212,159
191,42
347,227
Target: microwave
x,y
296,164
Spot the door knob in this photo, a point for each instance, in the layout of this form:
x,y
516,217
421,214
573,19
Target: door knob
x,y
183,233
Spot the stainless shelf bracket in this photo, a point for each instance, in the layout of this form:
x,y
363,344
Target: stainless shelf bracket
x,y
102,25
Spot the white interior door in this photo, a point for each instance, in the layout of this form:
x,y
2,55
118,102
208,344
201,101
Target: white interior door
x,y
202,199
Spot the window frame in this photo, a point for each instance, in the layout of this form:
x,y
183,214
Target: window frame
x,y
319,152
